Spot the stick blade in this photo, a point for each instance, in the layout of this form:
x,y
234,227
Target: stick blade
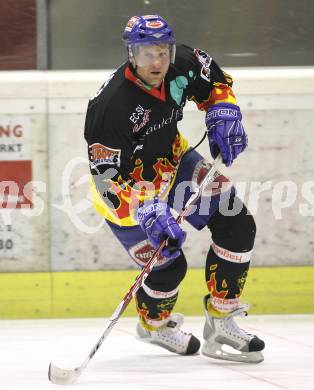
x,y
61,376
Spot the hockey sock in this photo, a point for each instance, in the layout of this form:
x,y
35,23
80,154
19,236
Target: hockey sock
x,y
226,274
154,307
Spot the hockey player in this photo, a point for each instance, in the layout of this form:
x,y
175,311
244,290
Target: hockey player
x,y
140,165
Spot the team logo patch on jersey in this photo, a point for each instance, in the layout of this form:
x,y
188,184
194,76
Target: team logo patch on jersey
x,y
101,154
205,60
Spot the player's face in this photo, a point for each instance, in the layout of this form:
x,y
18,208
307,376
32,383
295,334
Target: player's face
x,y
152,63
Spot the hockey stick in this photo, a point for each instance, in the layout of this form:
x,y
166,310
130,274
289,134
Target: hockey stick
x,y
62,376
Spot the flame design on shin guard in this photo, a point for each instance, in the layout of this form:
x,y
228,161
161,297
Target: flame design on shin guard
x,y
154,312
225,282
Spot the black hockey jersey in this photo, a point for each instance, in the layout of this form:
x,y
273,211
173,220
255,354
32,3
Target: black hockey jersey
x,y
131,130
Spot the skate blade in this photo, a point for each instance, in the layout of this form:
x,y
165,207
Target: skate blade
x,y
216,351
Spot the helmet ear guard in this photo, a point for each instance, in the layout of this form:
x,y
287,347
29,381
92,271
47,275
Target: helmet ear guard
x,y
131,56
173,53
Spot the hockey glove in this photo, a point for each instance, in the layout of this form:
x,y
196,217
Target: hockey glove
x,y
225,132
157,222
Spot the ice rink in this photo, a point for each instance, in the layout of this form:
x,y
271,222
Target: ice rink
x,y
28,346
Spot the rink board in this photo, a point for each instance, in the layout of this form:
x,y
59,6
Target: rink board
x,y
42,112
275,290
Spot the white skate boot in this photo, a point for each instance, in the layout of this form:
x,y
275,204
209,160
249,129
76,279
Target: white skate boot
x,y
170,336
222,332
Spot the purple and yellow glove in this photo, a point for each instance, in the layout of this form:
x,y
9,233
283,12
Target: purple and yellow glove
x,y
225,132
158,223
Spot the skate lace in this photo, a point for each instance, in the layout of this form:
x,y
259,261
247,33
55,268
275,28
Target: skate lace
x,y
232,326
173,334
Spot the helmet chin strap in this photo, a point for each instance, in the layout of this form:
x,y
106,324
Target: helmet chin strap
x,y
136,74
134,68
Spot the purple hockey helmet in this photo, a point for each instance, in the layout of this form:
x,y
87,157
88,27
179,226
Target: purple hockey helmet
x,y
148,30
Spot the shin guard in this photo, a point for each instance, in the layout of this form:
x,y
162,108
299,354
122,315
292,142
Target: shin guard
x,y
157,297
228,259
226,274
154,307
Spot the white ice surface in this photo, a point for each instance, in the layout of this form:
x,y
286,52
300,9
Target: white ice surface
x,y
27,347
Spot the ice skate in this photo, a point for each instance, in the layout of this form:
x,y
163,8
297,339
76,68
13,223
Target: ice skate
x,y
170,336
222,333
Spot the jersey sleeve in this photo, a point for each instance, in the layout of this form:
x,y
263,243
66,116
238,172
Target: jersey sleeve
x,y
211,85
109,140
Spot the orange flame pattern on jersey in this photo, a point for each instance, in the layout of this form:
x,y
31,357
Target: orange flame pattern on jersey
x,y
179,147
161,167
129,197
221,93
